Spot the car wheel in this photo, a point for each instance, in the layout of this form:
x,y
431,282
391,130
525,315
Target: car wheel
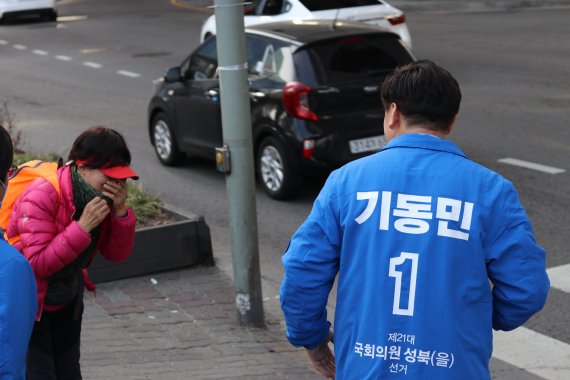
x,y
164,141
275,173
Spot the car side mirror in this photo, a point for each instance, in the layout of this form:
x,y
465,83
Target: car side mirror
x,y
173,75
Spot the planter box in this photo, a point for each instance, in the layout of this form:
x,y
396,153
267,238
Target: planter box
x,y
184,243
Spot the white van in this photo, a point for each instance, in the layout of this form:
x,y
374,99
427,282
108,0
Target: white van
x,y
15,8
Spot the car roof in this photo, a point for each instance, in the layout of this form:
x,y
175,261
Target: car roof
x,y
303,32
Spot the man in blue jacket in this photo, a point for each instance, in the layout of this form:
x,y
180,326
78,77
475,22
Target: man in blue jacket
x,y
432,250
17,290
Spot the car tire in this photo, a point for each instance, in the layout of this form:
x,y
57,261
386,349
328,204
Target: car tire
x,y
164,141
274,170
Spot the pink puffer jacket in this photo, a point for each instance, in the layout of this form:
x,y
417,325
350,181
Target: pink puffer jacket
x,y
51,239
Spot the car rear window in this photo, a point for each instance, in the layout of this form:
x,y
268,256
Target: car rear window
x,y
356,58
322,5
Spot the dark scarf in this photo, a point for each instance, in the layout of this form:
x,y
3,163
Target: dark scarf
x,y
65,284
83,192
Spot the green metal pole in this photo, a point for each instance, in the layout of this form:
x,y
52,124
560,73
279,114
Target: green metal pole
x,y
240,182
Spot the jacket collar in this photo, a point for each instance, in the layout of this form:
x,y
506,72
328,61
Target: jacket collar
x,y
424,141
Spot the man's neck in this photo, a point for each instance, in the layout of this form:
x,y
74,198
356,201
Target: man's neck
x,y
422,130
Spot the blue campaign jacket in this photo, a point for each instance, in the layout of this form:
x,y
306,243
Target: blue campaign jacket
x,y
17,311
432,251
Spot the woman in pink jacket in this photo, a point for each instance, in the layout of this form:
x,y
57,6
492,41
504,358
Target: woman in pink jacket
x,y
61,232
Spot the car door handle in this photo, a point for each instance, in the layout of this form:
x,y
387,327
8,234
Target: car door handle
x,y
256,94
371,89
212,93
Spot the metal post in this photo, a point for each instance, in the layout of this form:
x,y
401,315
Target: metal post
x,y
240,182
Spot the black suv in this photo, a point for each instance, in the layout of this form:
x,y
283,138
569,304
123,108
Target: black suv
x,y
315,105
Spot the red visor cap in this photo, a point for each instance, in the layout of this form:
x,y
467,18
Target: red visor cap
x,y
116,172
120,172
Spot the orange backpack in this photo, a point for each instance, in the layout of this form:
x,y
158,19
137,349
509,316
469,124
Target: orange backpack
x,y
26,174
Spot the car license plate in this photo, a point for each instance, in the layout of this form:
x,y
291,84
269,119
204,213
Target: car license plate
x,y
367,145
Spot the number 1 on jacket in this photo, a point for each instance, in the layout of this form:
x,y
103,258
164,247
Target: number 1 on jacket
x,y
410,277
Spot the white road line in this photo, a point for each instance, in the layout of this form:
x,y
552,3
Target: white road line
x,y
534,352
93,65
40,52
560,277
531,165
63,58
19,47
3,42
129,74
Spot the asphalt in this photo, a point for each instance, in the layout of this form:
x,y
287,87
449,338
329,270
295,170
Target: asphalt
x,y
423,5
183,324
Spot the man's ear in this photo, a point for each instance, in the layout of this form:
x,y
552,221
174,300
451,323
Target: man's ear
x,y
392,116
451,125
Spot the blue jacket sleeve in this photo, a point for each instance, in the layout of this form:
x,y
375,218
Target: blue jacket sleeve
x,y
17,312
516,265
311,263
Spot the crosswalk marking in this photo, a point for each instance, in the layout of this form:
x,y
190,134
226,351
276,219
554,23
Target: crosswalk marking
x,y
560,277
533,352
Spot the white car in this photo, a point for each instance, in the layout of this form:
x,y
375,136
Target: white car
x,y
16,8
374,12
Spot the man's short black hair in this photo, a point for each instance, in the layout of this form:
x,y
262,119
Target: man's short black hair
x,y
6,153
426,94
101,147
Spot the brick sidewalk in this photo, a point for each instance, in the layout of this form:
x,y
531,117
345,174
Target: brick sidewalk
x,y
181,325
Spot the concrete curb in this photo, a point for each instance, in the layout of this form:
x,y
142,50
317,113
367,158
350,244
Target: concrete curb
x,y
180,244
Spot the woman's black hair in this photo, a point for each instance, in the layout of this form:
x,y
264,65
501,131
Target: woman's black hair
x,y
100,147
6,153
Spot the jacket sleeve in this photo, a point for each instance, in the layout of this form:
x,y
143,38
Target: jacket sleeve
x,y
47,248
311,263
17,313
118,240
515,264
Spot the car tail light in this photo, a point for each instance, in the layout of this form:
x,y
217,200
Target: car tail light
x,y
296,101
396,20
308,147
